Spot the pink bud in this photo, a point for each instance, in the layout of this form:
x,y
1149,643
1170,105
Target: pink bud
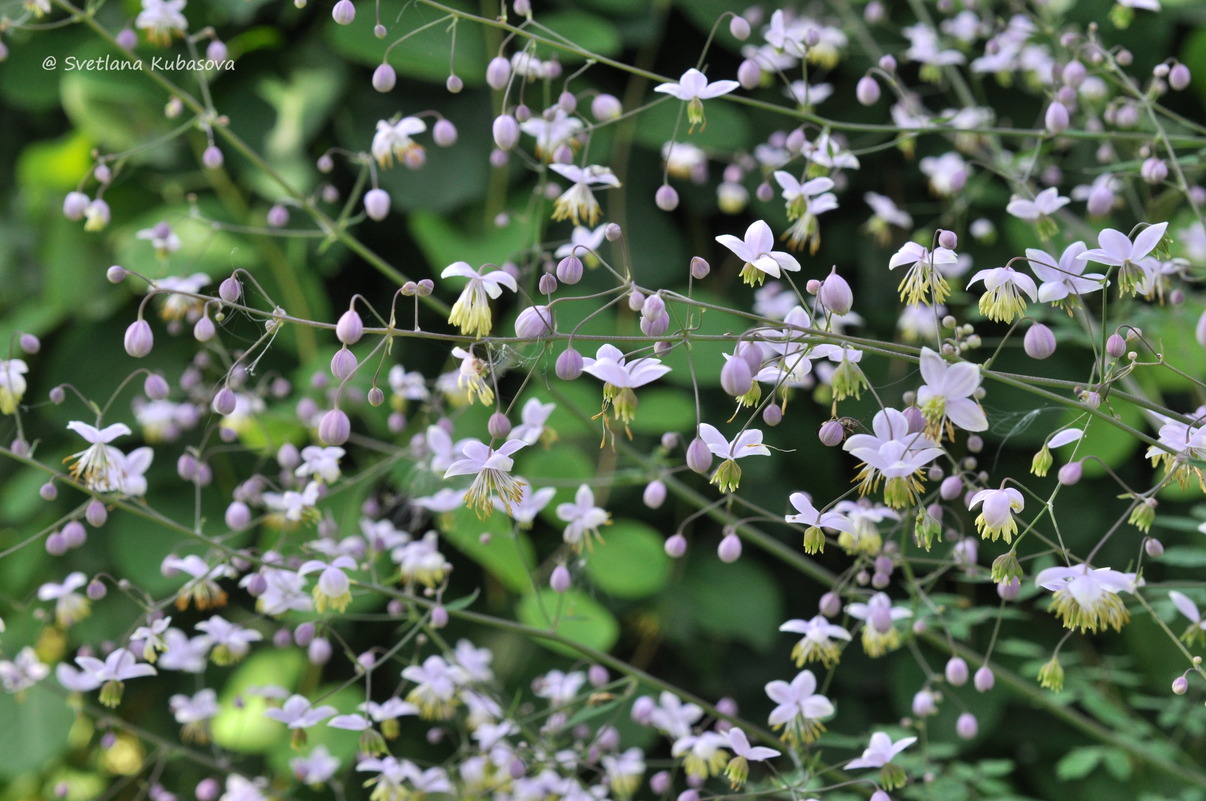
x,y
319,652
605,107
126,39
48,491
115,274
739,27
212,158
676,546
95,513
498,72
966,726
344,12
1199,332
74,534
349,328
1069,474
699,458
139,339
666,198
1153,170
334,428
224,401
867,91
454,84
55,546
439,616
343,364
749,74
238,516
74,205
956,671
923,704
699,268
203,330
96,590
1116,346
1180,685
1009,590
831,433
1039,342
444,133
1179,77
569,365
569,270
1153,547
376,204
735,376
984,679
772,414
560,579
506,132
498,425
729,549
30,343
655,494
230,289
1056,119
835,293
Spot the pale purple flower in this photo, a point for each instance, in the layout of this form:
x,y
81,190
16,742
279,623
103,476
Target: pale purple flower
x,y
333,588
924,277
1003,289
23,672
694,88
1133,259
702,753
317,768
471,311
435,690
421,561
491,470
393,140
747,443
551,132
559,688
230,641
109,675
162,19
947,397
12,384
878,614
672,717
582,519
610,366
530,504
881,751
805,202
800,708
1086,598
584,242
756,250
320,462
69,605
533,417
1197,626
817,644
298,713
996,515
1063,278
99,463
578,202
894,454
1044,204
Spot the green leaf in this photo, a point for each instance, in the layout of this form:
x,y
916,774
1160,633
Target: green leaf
x,y
55,165
504,554
631,562
119,109
424,55
573,615
242,726
593,34
1184,556
1079,763
35,731
739,600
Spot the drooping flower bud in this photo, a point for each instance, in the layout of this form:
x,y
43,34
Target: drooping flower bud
x,y
506,132
498,425
835,293
1039,342
967,726
444,133
230,289
831,433
384,78
729,549
956,671
735,377
560,579
676,546
666,198
343,12
984,679
569,364
498,72
376,204
569,270
349,328
203,329
534,322
1056,119
655,494
699,458
343,364
605,107
139,339
867,91
335,427
1116,346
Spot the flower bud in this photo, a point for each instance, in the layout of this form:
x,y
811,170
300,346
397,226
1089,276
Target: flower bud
x,y
831,433
666,198
335,427
1039,342
343,364
74,534
655,494
1153,547
349,328
1153,170
534,322
224,401
203,329
444,133
1008,590
956,671
984,679
1069,474
1180,685
1179,77
735,377
966,726
560,579
384,78
699,268
772,414
238,516
867,91
924,704
676,546
1199,332
749,74
729,549
344,12
95,513
835,293
498,72
569,270
212,158
74,205
699,458
319,652
376,204
830,604
605,107
1116,346
739,27
1056,119
30,343
48,491
506,132
498,425
230,289
569,364
139,339
454,84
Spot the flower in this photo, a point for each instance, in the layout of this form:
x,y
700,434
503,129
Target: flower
x,y
621,377
1197,627
298,714
924,277
491,470
472,309
996,515
109,675
893,453
885,213
694,88
1063,278
533,417
393,140
435,688
552,133
321,462
230,641
800,708
470,376
747,443
183,300
814,539
672,717
193,713
69,606
1044,204
316,769
879,754
162,237
1180,445
582,518
1003,290
97,464
1133,259
755,251
623,771
817,644
333,588
23,672
879,635
421,561
12,384
578,202
738,769
703,754
946,398
1086,598
162,19
530,503
805,202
